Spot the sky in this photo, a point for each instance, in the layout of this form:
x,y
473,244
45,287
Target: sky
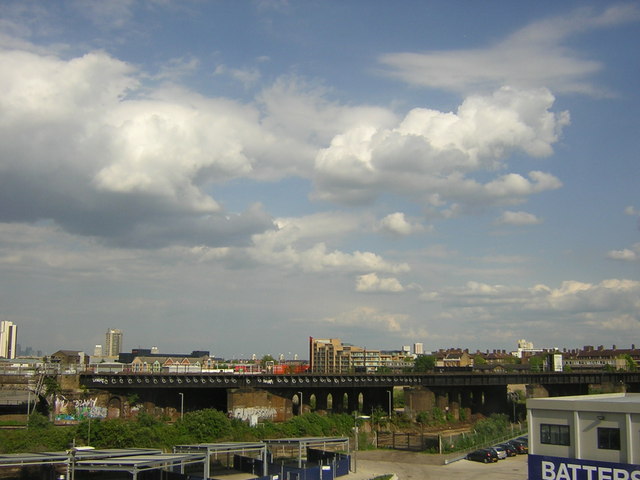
x,y
239,176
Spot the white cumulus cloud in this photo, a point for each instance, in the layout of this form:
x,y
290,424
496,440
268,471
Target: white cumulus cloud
x,y
397,224
295,244
372,283
432,155
627,254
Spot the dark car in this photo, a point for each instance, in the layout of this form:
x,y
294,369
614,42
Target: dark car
x,y
521,446
509,448
483,455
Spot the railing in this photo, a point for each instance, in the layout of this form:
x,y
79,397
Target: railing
x,y
460,454
439,442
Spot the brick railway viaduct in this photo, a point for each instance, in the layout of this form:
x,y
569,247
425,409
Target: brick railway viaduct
x,y
291,394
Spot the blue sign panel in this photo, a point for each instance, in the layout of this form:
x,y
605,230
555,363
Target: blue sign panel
x,y
542,467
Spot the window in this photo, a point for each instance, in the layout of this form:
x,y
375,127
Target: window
x,y
554,434
609,438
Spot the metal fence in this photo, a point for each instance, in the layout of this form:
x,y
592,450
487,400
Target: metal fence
x,y
439,442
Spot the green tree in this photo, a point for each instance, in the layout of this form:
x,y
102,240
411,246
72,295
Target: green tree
x,y
536,364
630,363
51,386
479,360
424,363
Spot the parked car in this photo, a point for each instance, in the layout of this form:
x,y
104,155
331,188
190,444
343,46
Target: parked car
x,y
484,455
521,446
500,452
509,448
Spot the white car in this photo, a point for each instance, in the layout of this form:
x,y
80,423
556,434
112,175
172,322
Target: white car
x,y
501,452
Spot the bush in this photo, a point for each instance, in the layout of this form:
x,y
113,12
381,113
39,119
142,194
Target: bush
x,y
37,420
204,426
146,431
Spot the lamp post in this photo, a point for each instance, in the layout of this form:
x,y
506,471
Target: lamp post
x,y
355,443
181,405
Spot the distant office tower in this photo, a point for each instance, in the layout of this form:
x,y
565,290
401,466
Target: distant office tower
x,y
418,348
8,336
113,345
97,351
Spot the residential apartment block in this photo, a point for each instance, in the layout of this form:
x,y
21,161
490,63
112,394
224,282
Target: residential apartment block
x,y
113,345
330,355
599,357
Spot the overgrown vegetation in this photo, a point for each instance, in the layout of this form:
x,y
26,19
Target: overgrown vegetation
x,y
206,426
149,432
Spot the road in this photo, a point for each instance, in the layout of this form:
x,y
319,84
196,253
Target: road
x,y
420,466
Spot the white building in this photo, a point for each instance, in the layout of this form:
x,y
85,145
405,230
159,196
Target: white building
x,y
584,437
525,349
8,337
418,348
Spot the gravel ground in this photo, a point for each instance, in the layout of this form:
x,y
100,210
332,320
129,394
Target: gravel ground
x,y
420,466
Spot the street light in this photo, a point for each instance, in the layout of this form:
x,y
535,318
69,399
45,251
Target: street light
x,y
355,445
181,405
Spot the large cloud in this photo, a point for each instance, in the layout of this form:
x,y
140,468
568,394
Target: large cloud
x,y
430,155
84,142
297,244
79,148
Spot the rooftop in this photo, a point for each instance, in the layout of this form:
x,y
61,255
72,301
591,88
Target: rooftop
x,y
608,402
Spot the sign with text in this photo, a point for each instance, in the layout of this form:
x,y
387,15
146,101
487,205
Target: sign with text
x,y
542,467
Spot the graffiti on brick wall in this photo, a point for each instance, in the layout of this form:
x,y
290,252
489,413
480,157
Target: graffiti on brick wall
x,y
76,410
253,414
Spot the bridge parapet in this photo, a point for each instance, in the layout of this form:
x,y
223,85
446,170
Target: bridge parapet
x,y
321,381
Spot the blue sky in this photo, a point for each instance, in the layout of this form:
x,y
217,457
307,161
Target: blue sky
x,y
239,176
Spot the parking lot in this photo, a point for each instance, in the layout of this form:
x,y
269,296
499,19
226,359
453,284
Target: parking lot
x,y
417,466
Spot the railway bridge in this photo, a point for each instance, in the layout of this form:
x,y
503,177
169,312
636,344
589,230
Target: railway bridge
x,y
484,393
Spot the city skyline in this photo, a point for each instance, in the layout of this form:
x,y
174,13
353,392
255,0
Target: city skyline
x,y
239,176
